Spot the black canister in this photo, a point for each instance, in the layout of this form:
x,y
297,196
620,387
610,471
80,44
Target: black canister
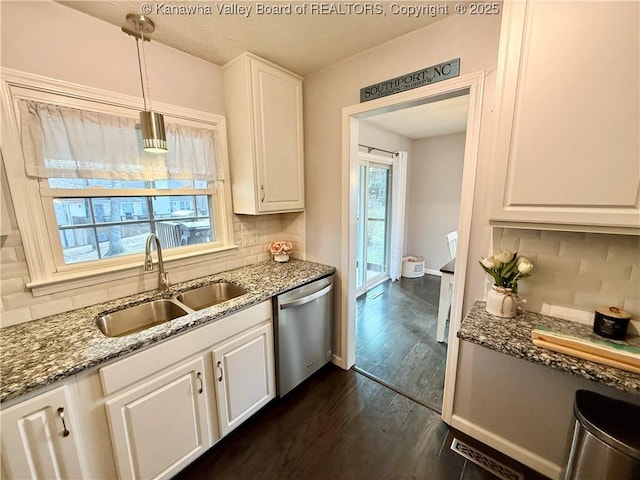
x,y
611,322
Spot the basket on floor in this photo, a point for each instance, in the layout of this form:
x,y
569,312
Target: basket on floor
x,y
412,267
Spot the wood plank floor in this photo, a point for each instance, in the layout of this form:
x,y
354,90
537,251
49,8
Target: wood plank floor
x,y
395,337
337,425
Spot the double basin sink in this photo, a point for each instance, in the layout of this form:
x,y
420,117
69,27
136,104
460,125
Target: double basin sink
x,y
155,312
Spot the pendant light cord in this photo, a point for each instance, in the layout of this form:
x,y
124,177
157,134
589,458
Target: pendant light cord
x,y
144,98
143,78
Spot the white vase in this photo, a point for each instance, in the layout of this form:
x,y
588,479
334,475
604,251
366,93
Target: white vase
x,y
501,302
281,257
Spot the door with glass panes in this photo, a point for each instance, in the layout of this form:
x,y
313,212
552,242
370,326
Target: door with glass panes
x,y
374,198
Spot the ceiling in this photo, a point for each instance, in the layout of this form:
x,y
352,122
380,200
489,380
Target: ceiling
x,y
431,119
301,43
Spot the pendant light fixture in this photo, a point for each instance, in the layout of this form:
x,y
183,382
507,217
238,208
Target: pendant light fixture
x,y
154,138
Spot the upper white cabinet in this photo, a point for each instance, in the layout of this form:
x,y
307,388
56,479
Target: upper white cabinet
x,y
264,114
567,133
39,438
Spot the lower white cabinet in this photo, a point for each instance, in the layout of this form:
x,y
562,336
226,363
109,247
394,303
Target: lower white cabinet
x,y
169,403
161,425
149,415
245,376
39,439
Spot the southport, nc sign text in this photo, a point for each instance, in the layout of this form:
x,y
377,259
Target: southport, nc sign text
x,y
428,75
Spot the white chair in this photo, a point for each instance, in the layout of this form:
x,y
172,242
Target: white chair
x,y
452,240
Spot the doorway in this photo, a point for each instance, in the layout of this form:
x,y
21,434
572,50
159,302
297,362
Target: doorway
x,y
470,84
398,341
374,200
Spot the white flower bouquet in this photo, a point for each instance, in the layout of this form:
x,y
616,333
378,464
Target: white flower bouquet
x,y
506,268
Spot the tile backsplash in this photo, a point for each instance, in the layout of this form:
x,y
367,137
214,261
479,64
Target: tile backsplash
x,y
577,270
252,234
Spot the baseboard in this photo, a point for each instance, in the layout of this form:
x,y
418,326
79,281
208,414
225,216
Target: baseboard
x,y
431,271
337,360
503,445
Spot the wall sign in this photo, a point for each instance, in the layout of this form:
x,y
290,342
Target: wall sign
x,y
433,74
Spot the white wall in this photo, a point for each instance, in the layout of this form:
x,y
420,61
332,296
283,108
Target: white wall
x,y
474,39
433,202
374,136
48,39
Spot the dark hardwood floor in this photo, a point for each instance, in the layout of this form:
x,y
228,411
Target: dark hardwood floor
x,y
395,338
337,425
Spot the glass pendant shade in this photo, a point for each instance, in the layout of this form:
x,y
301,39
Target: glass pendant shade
x,y
154,139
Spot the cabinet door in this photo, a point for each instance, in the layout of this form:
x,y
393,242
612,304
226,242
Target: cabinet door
x,y
278,131
39,440
245,376
568,129
160,426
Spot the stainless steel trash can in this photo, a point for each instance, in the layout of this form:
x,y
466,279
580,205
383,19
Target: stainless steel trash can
x,y
606,439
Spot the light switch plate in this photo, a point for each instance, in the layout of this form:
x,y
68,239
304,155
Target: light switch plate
x,y
248,238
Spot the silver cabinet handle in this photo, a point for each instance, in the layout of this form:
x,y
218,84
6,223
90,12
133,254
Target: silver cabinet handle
x,y
263,193
65,431
219,365
199,375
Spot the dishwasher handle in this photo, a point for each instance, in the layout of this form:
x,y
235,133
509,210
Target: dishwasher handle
x,y
307,299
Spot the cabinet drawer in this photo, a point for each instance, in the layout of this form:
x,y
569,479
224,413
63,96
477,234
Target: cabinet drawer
x,y
140,365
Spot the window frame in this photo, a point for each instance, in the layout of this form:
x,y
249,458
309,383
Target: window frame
x,y
33,198
48,194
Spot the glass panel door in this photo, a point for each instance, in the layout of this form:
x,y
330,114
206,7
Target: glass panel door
x,y
373,224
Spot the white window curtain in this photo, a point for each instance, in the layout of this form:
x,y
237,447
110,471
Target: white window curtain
x,y
63,142
398,200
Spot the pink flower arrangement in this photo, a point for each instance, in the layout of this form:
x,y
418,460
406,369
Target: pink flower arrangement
x,y
281,247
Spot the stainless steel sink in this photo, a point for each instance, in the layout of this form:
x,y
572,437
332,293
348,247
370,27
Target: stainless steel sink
x,y
208,295
134,319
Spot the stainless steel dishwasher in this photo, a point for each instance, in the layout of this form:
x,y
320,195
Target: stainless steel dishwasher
x,y
303,319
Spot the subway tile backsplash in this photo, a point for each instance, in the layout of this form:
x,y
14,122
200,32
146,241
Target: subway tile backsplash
x,y
577,270
18,305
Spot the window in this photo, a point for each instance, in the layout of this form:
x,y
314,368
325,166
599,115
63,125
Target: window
x,y
98,195
100,227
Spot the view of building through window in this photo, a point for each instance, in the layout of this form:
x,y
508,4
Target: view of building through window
x,y
95,227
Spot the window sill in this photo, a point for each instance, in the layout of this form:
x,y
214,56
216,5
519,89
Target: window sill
x,y
60,282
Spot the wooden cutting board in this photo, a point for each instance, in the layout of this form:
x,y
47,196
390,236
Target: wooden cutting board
x,y
623,356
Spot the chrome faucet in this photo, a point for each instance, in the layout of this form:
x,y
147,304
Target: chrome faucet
x,y
163,278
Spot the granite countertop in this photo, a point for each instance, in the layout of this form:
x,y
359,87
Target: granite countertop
x,y
38,353
512,336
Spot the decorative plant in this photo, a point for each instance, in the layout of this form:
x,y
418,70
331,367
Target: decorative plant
x,y
506,268
281,247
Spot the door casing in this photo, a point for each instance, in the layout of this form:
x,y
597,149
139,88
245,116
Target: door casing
x,y
471,84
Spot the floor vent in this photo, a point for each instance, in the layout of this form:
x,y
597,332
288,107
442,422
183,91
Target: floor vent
x,y
374,294
486,462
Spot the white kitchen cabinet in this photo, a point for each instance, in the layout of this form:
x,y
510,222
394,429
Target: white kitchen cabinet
x,y
39,438
264,114
245,376
161,402
567,132
161,425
